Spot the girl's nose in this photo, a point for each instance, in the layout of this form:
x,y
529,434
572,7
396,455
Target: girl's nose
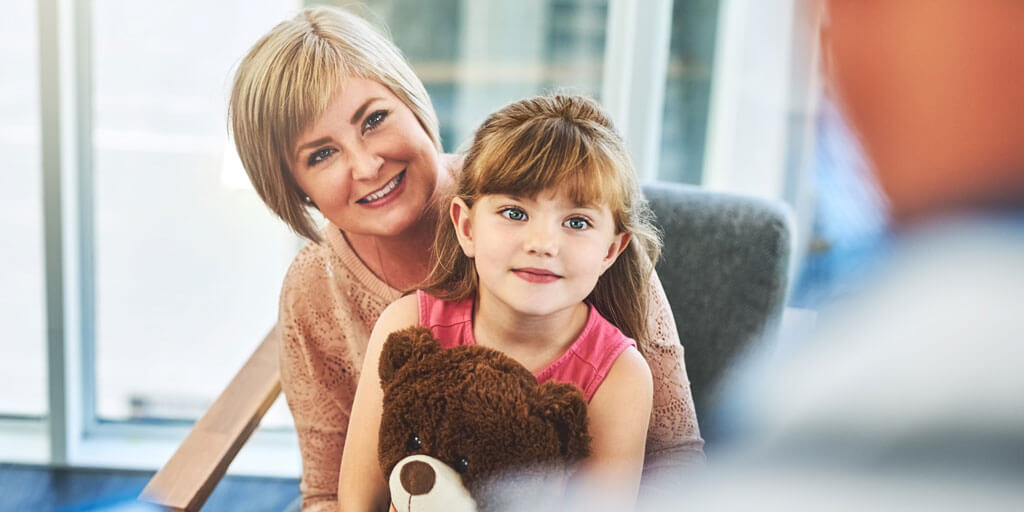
x,y
541,240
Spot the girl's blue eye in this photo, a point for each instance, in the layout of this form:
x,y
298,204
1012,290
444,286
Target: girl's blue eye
x,y
319,156
513,214
577,223
374,119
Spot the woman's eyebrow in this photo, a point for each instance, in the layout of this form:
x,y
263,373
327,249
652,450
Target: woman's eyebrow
x,y
362,109
318,142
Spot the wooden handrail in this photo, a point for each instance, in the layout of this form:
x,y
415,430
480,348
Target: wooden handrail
x,y
188,478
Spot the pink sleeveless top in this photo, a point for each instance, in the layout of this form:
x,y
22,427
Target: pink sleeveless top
x,y
585,363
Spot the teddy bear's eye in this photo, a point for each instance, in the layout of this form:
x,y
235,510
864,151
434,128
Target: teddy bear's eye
x,y
461,465
413,443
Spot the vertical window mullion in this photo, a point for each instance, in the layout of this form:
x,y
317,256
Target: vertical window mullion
x,y
51,160
636,62
66,144
83,88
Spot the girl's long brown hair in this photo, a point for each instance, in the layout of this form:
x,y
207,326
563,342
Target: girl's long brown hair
x,y
568,143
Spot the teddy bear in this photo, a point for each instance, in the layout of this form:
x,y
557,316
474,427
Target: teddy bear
x,y
469,428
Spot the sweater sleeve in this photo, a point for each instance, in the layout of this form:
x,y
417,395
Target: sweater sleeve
x,y
673,437
320,364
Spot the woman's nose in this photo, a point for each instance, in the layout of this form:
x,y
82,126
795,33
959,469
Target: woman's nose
x,y
365,165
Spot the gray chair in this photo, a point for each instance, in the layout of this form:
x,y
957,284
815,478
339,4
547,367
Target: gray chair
x,y
725,269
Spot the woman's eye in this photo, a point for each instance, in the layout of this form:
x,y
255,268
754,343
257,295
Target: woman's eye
x,y
513,214
319,156
413,443
461,465
577,223
374,119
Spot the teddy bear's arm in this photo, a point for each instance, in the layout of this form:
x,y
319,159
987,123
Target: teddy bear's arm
x,y
361,483
619,414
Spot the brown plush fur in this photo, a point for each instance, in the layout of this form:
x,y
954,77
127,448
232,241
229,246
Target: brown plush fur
x,y
475,403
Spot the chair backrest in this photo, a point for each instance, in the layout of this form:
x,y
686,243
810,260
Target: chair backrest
x,y
725,268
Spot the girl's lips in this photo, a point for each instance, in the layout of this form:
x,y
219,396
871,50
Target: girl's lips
x,y
383,195
536,275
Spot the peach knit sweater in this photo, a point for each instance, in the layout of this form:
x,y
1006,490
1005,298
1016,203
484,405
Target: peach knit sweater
x,y
329,303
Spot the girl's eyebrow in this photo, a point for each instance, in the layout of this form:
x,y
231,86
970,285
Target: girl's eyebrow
x,y
576,204
512,197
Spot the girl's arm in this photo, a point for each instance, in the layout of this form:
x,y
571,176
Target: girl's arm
x,y
618,416
361,483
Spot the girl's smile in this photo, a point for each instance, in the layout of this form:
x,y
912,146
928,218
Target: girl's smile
x,y
536,275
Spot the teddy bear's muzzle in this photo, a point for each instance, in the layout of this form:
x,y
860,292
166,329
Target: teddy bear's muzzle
x,y
417,477
420,483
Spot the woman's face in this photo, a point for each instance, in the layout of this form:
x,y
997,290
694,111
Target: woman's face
x,y
367,164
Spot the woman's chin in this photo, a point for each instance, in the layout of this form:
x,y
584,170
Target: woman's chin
x,y
390,225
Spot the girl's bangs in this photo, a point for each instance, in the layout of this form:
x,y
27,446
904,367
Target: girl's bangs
x,y
588,175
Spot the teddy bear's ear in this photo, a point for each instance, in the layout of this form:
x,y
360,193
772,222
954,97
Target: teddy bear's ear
x,y
403,346
562,405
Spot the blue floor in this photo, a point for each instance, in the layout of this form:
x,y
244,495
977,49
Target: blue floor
x,y
37,488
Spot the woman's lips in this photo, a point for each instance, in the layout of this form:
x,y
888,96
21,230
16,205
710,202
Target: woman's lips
x,y
382,195
536,275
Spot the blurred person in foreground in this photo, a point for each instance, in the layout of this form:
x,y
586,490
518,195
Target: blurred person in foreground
x,y
908,396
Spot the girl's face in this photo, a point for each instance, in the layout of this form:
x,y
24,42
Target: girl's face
x,y
537,256
367,164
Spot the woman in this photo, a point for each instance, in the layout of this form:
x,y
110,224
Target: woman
x,y
327,114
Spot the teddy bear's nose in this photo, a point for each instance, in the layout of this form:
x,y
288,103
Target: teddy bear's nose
x,y
417,477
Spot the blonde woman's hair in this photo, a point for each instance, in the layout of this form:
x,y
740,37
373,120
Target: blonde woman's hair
x,y
566,143
284,85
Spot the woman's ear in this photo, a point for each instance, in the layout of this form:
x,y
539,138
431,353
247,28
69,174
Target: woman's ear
x,y
463,222
619,244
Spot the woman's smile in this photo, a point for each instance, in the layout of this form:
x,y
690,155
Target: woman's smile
x,y
385,194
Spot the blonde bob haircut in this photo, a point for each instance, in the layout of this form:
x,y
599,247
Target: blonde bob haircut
x,y
284,85
564,143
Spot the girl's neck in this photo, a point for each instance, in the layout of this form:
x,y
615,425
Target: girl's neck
x,y
534,341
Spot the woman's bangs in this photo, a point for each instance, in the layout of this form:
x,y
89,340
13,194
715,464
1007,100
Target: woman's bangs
x,y
314,74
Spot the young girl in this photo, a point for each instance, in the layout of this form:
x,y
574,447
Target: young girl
x,y
549,248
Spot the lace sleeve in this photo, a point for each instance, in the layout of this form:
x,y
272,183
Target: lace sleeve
x,y
321,421
319,372
673,437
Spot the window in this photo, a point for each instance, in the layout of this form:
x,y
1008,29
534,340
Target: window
x,y
188,260
688,90
473,59
22,302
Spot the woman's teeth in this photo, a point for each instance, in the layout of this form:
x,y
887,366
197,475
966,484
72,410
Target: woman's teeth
x,y
384,191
